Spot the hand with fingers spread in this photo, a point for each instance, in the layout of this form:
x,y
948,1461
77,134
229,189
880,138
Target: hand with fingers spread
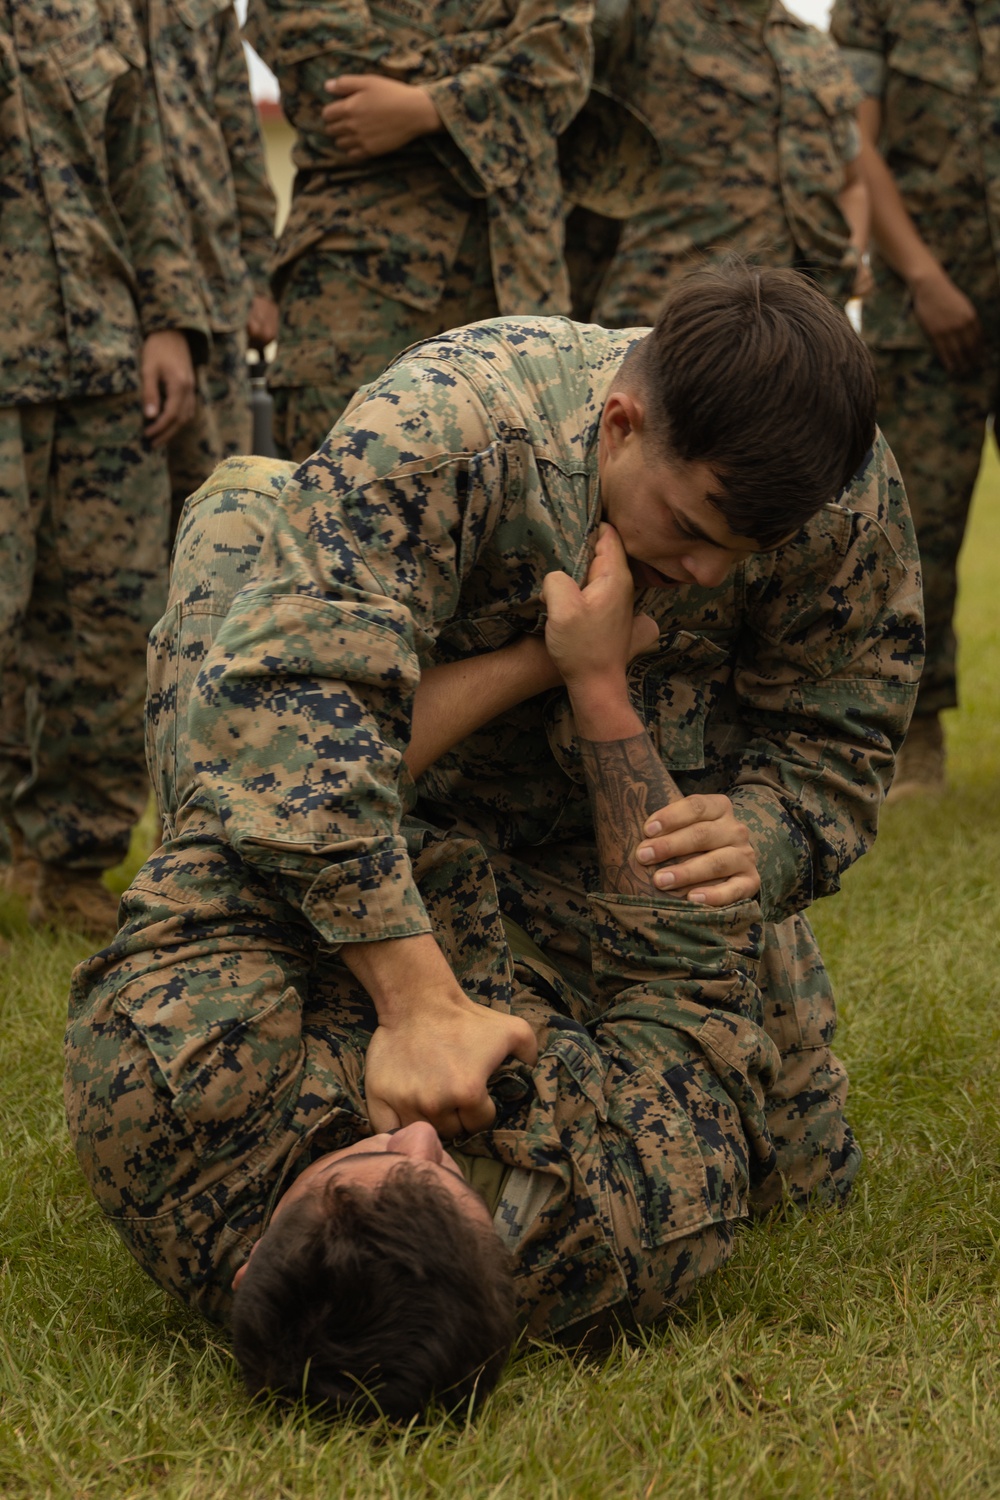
x,y
700,850
372,115
434,1049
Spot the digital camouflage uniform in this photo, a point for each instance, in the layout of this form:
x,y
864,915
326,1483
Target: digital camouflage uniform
x,y
216,157
935,67
753,113
788,687
217,1047
92,261
452,228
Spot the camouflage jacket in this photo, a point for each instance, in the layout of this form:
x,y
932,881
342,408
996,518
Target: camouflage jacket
x,y
935,66
91,253
421,532
193,1105
754,116
506,77
214,148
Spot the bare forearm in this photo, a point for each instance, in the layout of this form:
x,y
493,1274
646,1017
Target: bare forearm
x,y
626,783
402,973
856,208
455,700
895,232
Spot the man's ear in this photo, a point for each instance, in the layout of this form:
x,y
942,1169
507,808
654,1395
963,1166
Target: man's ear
x,y
621,419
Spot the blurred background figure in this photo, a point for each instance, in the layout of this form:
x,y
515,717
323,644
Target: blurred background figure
x,y
427,192
99,305
931,151
216,158
751,144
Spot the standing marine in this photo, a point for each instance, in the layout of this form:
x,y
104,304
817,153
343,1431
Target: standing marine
x,y
226,206
99,304
427,191
930,70
715,126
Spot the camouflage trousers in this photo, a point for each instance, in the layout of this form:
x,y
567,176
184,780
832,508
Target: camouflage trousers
x,y
817,1155
222,424
337,333
84,509
215,1047
934,422
221,533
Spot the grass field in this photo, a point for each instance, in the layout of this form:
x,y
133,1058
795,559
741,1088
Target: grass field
x,y
853,1354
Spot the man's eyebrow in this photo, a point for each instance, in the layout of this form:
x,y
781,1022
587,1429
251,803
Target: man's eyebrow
x,y
401,1156
696,532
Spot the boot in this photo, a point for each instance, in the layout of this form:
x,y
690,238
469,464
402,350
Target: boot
x,y
920,763
76,899
19,875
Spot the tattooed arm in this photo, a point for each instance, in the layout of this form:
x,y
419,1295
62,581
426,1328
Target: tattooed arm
x,y
626,783
630,791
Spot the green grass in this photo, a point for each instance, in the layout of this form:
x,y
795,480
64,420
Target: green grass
x,y
837,1355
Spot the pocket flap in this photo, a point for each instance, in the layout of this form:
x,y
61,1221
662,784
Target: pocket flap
x,y
89,63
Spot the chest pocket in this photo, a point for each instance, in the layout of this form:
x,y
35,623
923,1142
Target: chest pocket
x,y
680,686
929,90
89,64
728,90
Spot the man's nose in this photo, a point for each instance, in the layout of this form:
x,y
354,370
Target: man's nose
x,y
418,1139
710,568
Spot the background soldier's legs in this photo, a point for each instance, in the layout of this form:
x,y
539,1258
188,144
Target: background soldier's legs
x,y
818,1157
85,526
337,333
934,423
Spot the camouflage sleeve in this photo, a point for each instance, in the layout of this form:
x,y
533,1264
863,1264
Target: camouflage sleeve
x,y
237,115
140,186
826,682
858,28
303,709
499,110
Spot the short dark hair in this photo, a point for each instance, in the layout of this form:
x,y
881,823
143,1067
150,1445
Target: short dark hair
x,y
751,370
378,1302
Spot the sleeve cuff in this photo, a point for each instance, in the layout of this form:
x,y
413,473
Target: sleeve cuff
x,y
867,68
366,900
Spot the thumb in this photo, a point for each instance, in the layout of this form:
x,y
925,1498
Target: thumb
x,y
150,387
558,588
645,634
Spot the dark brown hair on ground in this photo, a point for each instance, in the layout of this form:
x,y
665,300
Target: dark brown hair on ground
x,y
380,1302
752,371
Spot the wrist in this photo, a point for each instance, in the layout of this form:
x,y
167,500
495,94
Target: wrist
x,y
926,272
404,976
426,115
533,660
602,709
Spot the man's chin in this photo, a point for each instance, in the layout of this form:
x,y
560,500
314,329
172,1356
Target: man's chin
x,y
645,576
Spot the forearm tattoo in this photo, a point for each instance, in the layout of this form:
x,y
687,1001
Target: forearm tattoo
x,y
627,783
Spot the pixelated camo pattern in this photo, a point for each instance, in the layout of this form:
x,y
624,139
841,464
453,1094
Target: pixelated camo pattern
x,y
92,256
753,116
505,75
